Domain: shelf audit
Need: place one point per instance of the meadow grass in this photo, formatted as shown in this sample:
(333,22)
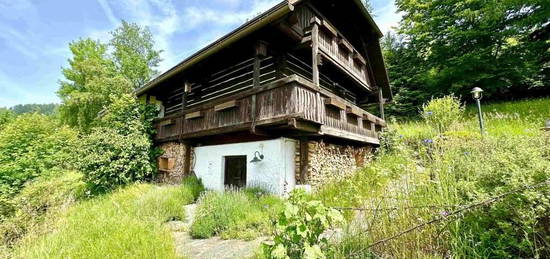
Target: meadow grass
(128,223)
(424,175)
(235,214)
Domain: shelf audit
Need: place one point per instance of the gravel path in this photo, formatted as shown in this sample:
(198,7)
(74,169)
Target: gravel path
(208,248)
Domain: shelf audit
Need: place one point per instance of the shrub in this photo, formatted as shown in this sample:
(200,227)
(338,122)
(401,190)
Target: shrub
(128,223)
(299,228)
(441,113)
(233,214)
(31,145)
(121,150)
(194,184)
(6,116)
(37,199)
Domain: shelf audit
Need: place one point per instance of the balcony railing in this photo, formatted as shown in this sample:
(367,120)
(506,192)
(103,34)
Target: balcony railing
(282,102)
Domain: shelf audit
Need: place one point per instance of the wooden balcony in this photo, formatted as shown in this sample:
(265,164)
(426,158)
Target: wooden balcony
(334,48)
(292,103)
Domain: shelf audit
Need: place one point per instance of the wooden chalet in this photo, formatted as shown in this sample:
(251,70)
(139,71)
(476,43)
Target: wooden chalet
(303,70)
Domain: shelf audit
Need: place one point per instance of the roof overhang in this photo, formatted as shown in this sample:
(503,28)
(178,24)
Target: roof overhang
(271,15)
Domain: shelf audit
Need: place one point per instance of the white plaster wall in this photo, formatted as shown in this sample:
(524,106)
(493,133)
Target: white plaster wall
(275,173)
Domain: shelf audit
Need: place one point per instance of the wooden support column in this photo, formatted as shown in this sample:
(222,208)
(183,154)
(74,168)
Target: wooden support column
(304,160)
(260,50)
(315,22)
(187,161)
(381,101)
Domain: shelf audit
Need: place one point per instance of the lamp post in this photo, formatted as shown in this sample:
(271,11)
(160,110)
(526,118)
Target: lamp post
(477,94)
(547,127)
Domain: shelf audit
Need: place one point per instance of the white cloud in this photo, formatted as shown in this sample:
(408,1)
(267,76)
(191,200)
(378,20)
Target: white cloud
(108,12)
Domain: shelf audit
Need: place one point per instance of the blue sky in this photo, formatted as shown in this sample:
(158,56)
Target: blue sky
(34,34)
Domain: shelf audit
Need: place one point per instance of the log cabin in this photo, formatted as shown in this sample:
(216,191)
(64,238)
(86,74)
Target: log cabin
(277,103)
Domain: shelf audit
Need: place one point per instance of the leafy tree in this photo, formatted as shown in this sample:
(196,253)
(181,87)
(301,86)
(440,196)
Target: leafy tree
(46,109)
(120,150)
(451,46)
(368,5)
(90,82)
(31,145)
(96,76)
(134,54)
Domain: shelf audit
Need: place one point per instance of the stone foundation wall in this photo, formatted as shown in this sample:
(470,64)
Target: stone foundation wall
(177,152)
(327,162)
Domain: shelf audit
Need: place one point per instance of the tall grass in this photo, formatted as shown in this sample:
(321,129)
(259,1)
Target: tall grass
(427,175)
(125,224)
(235,214)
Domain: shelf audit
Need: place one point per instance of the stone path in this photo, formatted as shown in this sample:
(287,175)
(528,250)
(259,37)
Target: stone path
(208,248)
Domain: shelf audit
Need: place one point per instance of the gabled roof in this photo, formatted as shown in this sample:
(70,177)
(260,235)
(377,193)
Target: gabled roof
(248,28)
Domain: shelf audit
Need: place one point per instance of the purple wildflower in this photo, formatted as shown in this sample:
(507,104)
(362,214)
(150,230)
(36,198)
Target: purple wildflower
(444,213)
(428,141)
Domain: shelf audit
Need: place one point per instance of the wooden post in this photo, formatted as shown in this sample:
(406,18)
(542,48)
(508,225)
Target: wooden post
(304,159)
(381,103)
(260,50)
(315,22)
(187,161)
(186,90)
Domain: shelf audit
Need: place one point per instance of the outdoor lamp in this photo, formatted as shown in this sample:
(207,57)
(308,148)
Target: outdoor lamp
(258,157)
(547,127)
(477,94)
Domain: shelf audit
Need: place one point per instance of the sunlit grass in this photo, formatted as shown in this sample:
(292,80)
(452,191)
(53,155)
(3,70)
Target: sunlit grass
(126,224)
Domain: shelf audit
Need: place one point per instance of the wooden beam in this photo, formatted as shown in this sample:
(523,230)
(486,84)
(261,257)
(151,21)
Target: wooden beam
(348,135)
(194,115)
(315,49)
(335,102)
(344,43)
(304,160)
(329,28)
(226,106)
(187,161)
(167,122)
(354,110)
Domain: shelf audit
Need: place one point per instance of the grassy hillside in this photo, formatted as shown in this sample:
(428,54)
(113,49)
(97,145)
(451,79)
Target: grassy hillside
(421,174)
(418,175)
(128,223)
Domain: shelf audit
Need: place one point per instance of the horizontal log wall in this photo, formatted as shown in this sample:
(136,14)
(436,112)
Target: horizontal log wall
(220,84)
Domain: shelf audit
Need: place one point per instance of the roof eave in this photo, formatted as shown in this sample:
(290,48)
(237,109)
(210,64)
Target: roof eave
(265,18)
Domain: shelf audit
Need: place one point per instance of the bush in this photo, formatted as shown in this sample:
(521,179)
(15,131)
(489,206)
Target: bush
(37,199)
(31,145)
(441,113)
(299,228)
(121,150)
(5,117)
(128,223)
(195,186)
(233,214)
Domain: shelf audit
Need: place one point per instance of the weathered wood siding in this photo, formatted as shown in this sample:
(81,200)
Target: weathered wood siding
(288,97)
